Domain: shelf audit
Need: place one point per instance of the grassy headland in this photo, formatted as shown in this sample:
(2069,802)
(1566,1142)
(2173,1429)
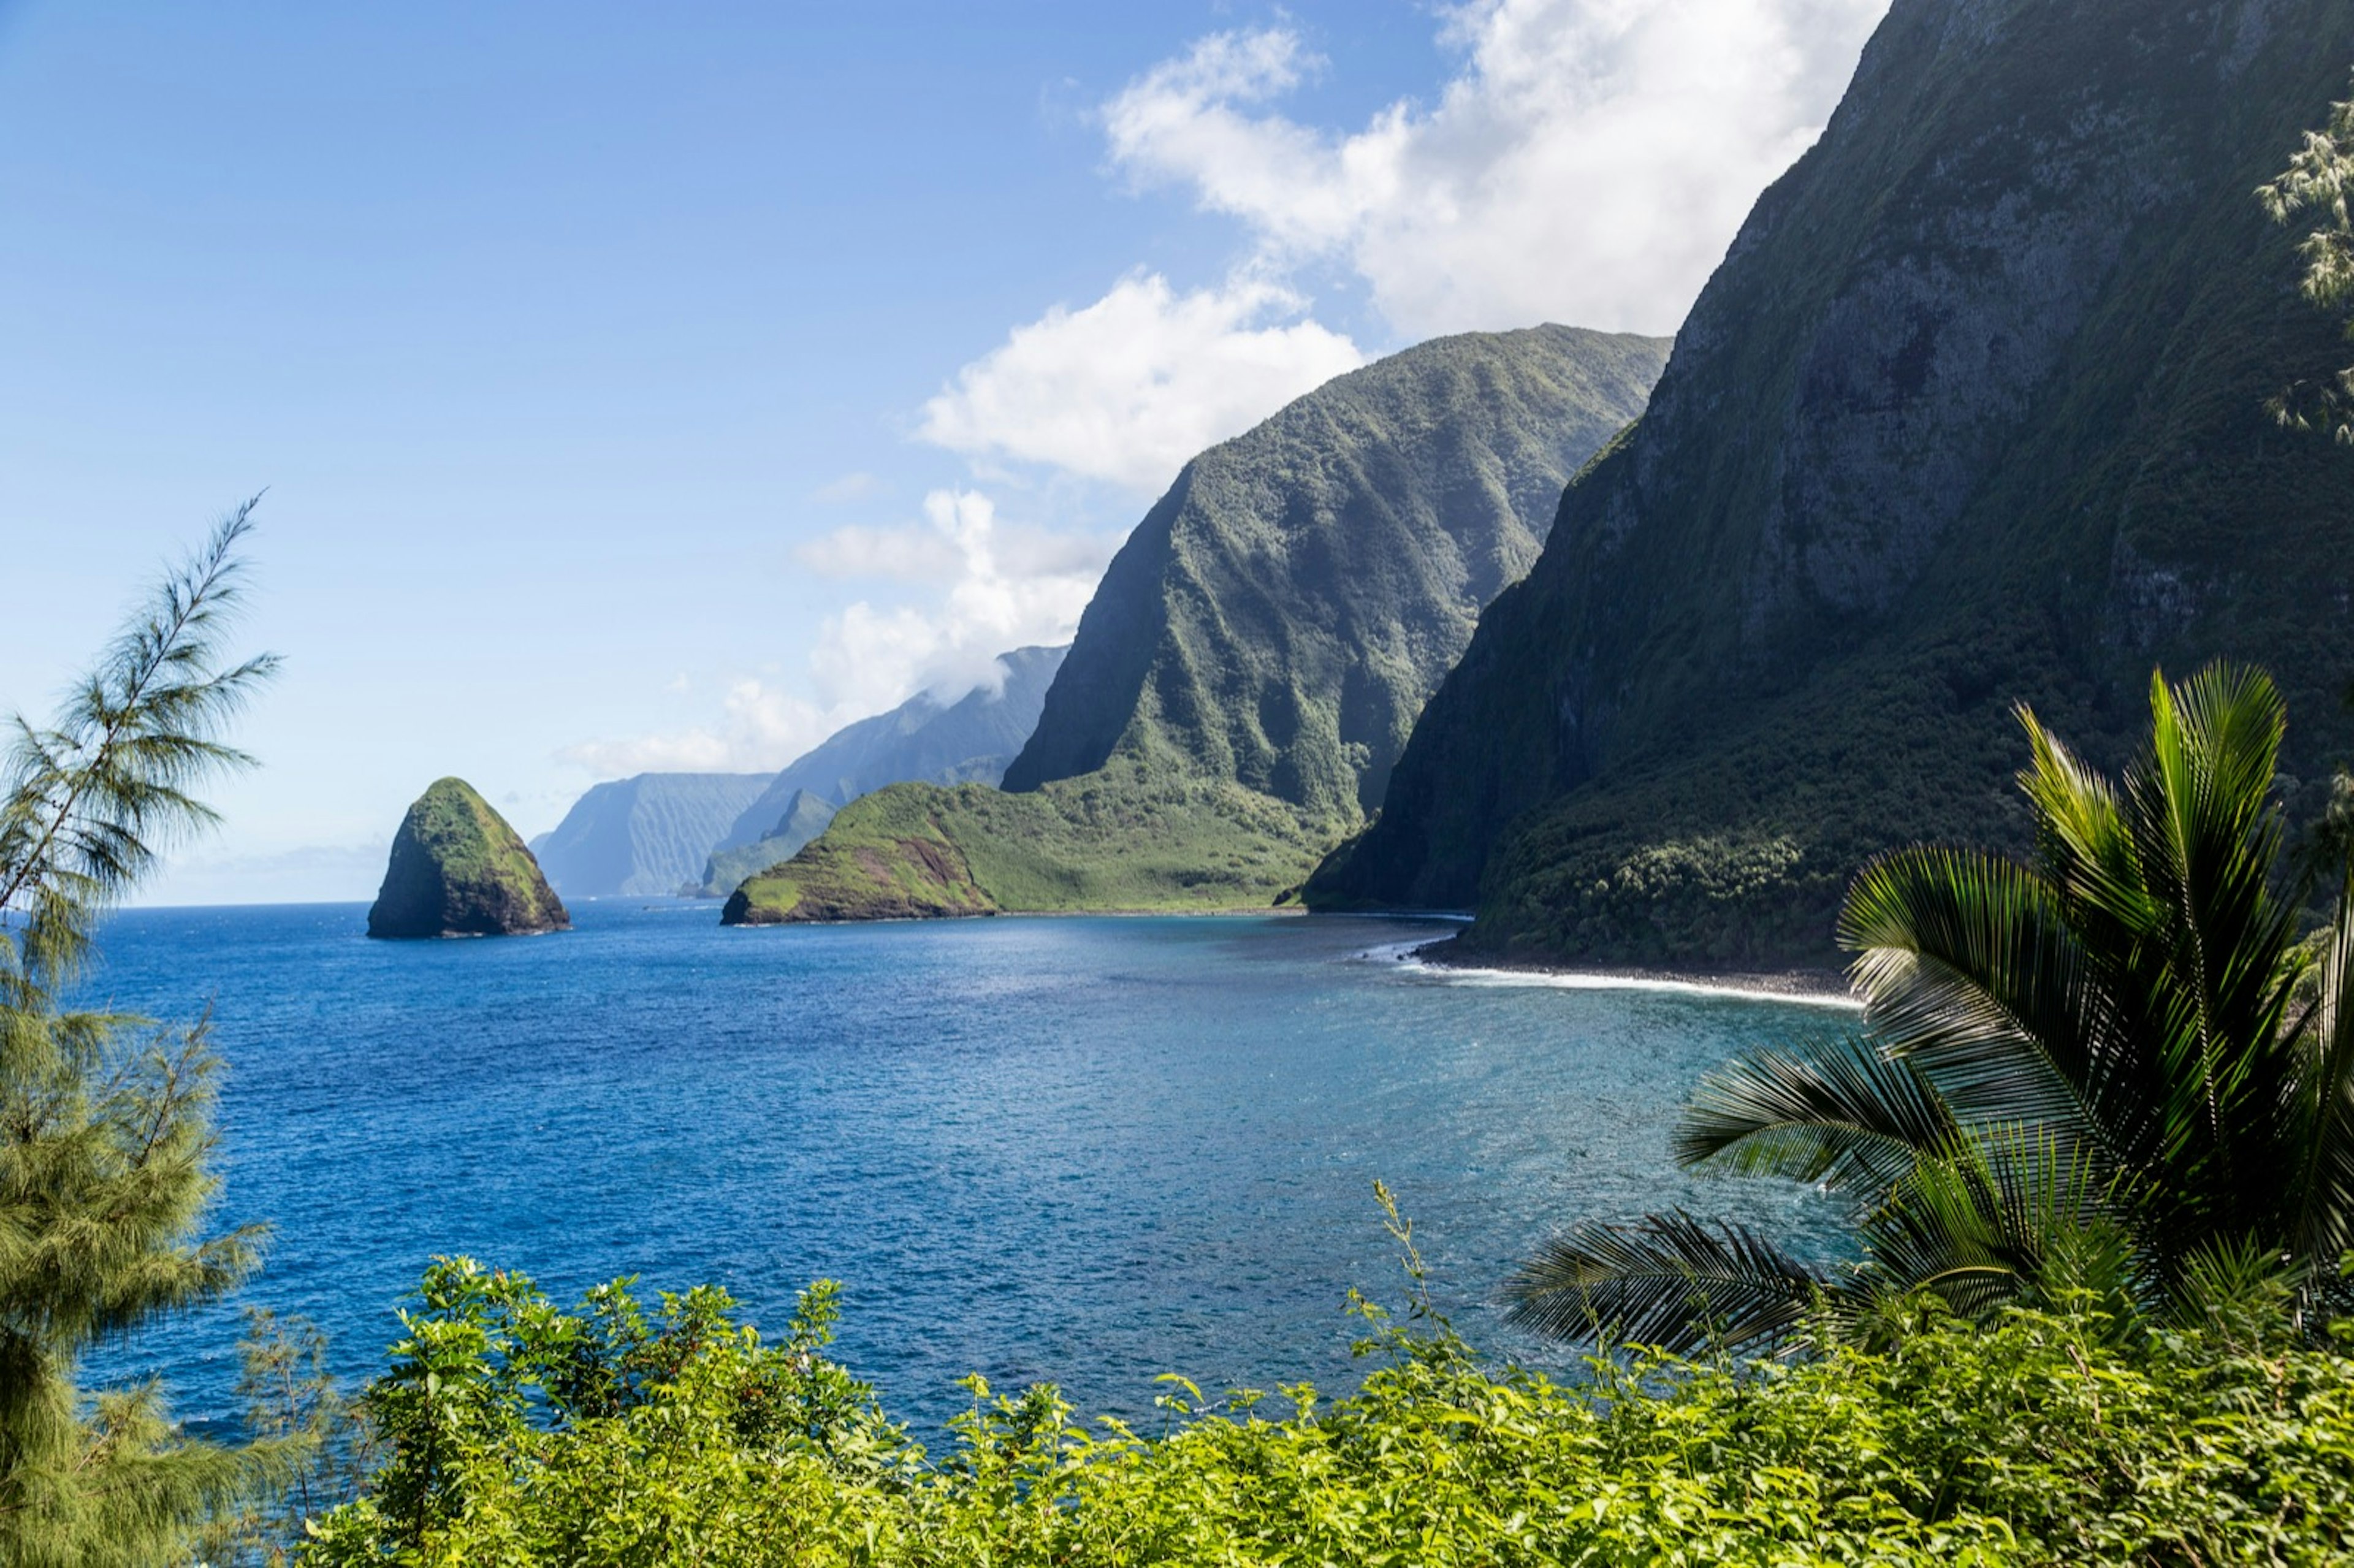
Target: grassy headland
(1119,838)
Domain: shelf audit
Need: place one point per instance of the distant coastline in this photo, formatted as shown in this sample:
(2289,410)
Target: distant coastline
(1822,987)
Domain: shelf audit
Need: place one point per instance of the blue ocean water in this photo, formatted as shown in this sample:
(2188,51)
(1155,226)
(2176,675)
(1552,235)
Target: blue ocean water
(1076,1150)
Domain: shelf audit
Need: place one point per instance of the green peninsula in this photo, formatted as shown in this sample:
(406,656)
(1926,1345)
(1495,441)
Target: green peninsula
(1118,839)
(457,869)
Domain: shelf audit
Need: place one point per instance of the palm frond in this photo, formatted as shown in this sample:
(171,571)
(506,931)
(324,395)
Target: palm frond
(2205,991)
(1970,970)
(1836,1111)
(2323,1096)
(1997,1217)
(1667,1280)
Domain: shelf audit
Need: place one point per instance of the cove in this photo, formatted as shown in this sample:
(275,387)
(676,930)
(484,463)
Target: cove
(1082,1150)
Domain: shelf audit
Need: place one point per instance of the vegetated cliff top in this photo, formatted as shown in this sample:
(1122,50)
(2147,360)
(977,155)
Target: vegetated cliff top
(1125,838)
(1972,413)
(804,817)
(1280,615)
(457,869)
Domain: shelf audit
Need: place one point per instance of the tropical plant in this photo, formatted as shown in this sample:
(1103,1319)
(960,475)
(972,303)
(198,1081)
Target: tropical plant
(105,1123)
(502,1419)
(2320,179)
(2039,1438)
(2113,1067)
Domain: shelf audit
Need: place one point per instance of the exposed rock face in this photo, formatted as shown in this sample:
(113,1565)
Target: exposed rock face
(458,870)
(643,836)
(1972,413)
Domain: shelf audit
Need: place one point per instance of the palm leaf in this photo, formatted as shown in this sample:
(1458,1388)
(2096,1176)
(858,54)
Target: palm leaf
(1995,1217)
(2204,987)
(2324,1095)
(1667,1280)
(1969,969)
(1838,1112)
(85,806)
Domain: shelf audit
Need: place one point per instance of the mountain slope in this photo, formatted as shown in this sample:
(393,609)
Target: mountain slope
(1259,649)
(922,740)
(1972,412)
(804,817)
(1280,617)
(1123,837)
(646,835)
(970,740)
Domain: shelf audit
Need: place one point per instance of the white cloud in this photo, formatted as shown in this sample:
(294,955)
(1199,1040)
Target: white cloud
(1013,588)
(1589,163)
(758,728)
(855,486)
(1128,388)
(905,553)
(1005,587)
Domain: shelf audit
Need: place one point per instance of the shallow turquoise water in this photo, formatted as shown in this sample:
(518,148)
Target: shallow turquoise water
(1079,1150)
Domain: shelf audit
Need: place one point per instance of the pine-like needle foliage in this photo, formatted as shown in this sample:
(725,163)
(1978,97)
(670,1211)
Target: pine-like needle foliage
(2319,179)
(2112,1069)
(105,1119)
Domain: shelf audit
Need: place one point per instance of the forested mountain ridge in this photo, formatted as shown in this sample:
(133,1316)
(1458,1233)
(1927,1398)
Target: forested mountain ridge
(1280,615)
(1972,413)
(1259,647)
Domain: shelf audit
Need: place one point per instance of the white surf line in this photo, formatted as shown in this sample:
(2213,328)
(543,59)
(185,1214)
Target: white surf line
(1402,954)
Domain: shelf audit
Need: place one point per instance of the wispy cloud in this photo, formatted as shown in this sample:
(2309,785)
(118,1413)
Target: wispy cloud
(1129,388)
(855,486)
(1588,163)
(760,727)
(1010,588)
(996,587)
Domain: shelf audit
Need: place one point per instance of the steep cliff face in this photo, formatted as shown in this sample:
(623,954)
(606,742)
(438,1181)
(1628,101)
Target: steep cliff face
(457,869)
(1971,413)
(646,836)
(1281,616)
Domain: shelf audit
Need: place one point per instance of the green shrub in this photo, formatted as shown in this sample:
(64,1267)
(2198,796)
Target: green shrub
(523,1434)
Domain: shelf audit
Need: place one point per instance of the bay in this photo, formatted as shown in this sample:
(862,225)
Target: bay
(1076,1150)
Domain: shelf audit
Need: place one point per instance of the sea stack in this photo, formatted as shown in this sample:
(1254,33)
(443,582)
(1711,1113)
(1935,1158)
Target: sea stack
(458,870)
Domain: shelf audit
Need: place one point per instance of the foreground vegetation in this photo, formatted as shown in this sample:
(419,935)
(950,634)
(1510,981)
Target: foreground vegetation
(2111,1066)
(524,1435)
(106,1130)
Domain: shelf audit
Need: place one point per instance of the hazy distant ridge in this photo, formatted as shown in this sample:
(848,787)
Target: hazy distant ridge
(642,836)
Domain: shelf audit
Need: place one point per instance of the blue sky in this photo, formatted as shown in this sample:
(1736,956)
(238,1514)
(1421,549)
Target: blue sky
(662,386)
